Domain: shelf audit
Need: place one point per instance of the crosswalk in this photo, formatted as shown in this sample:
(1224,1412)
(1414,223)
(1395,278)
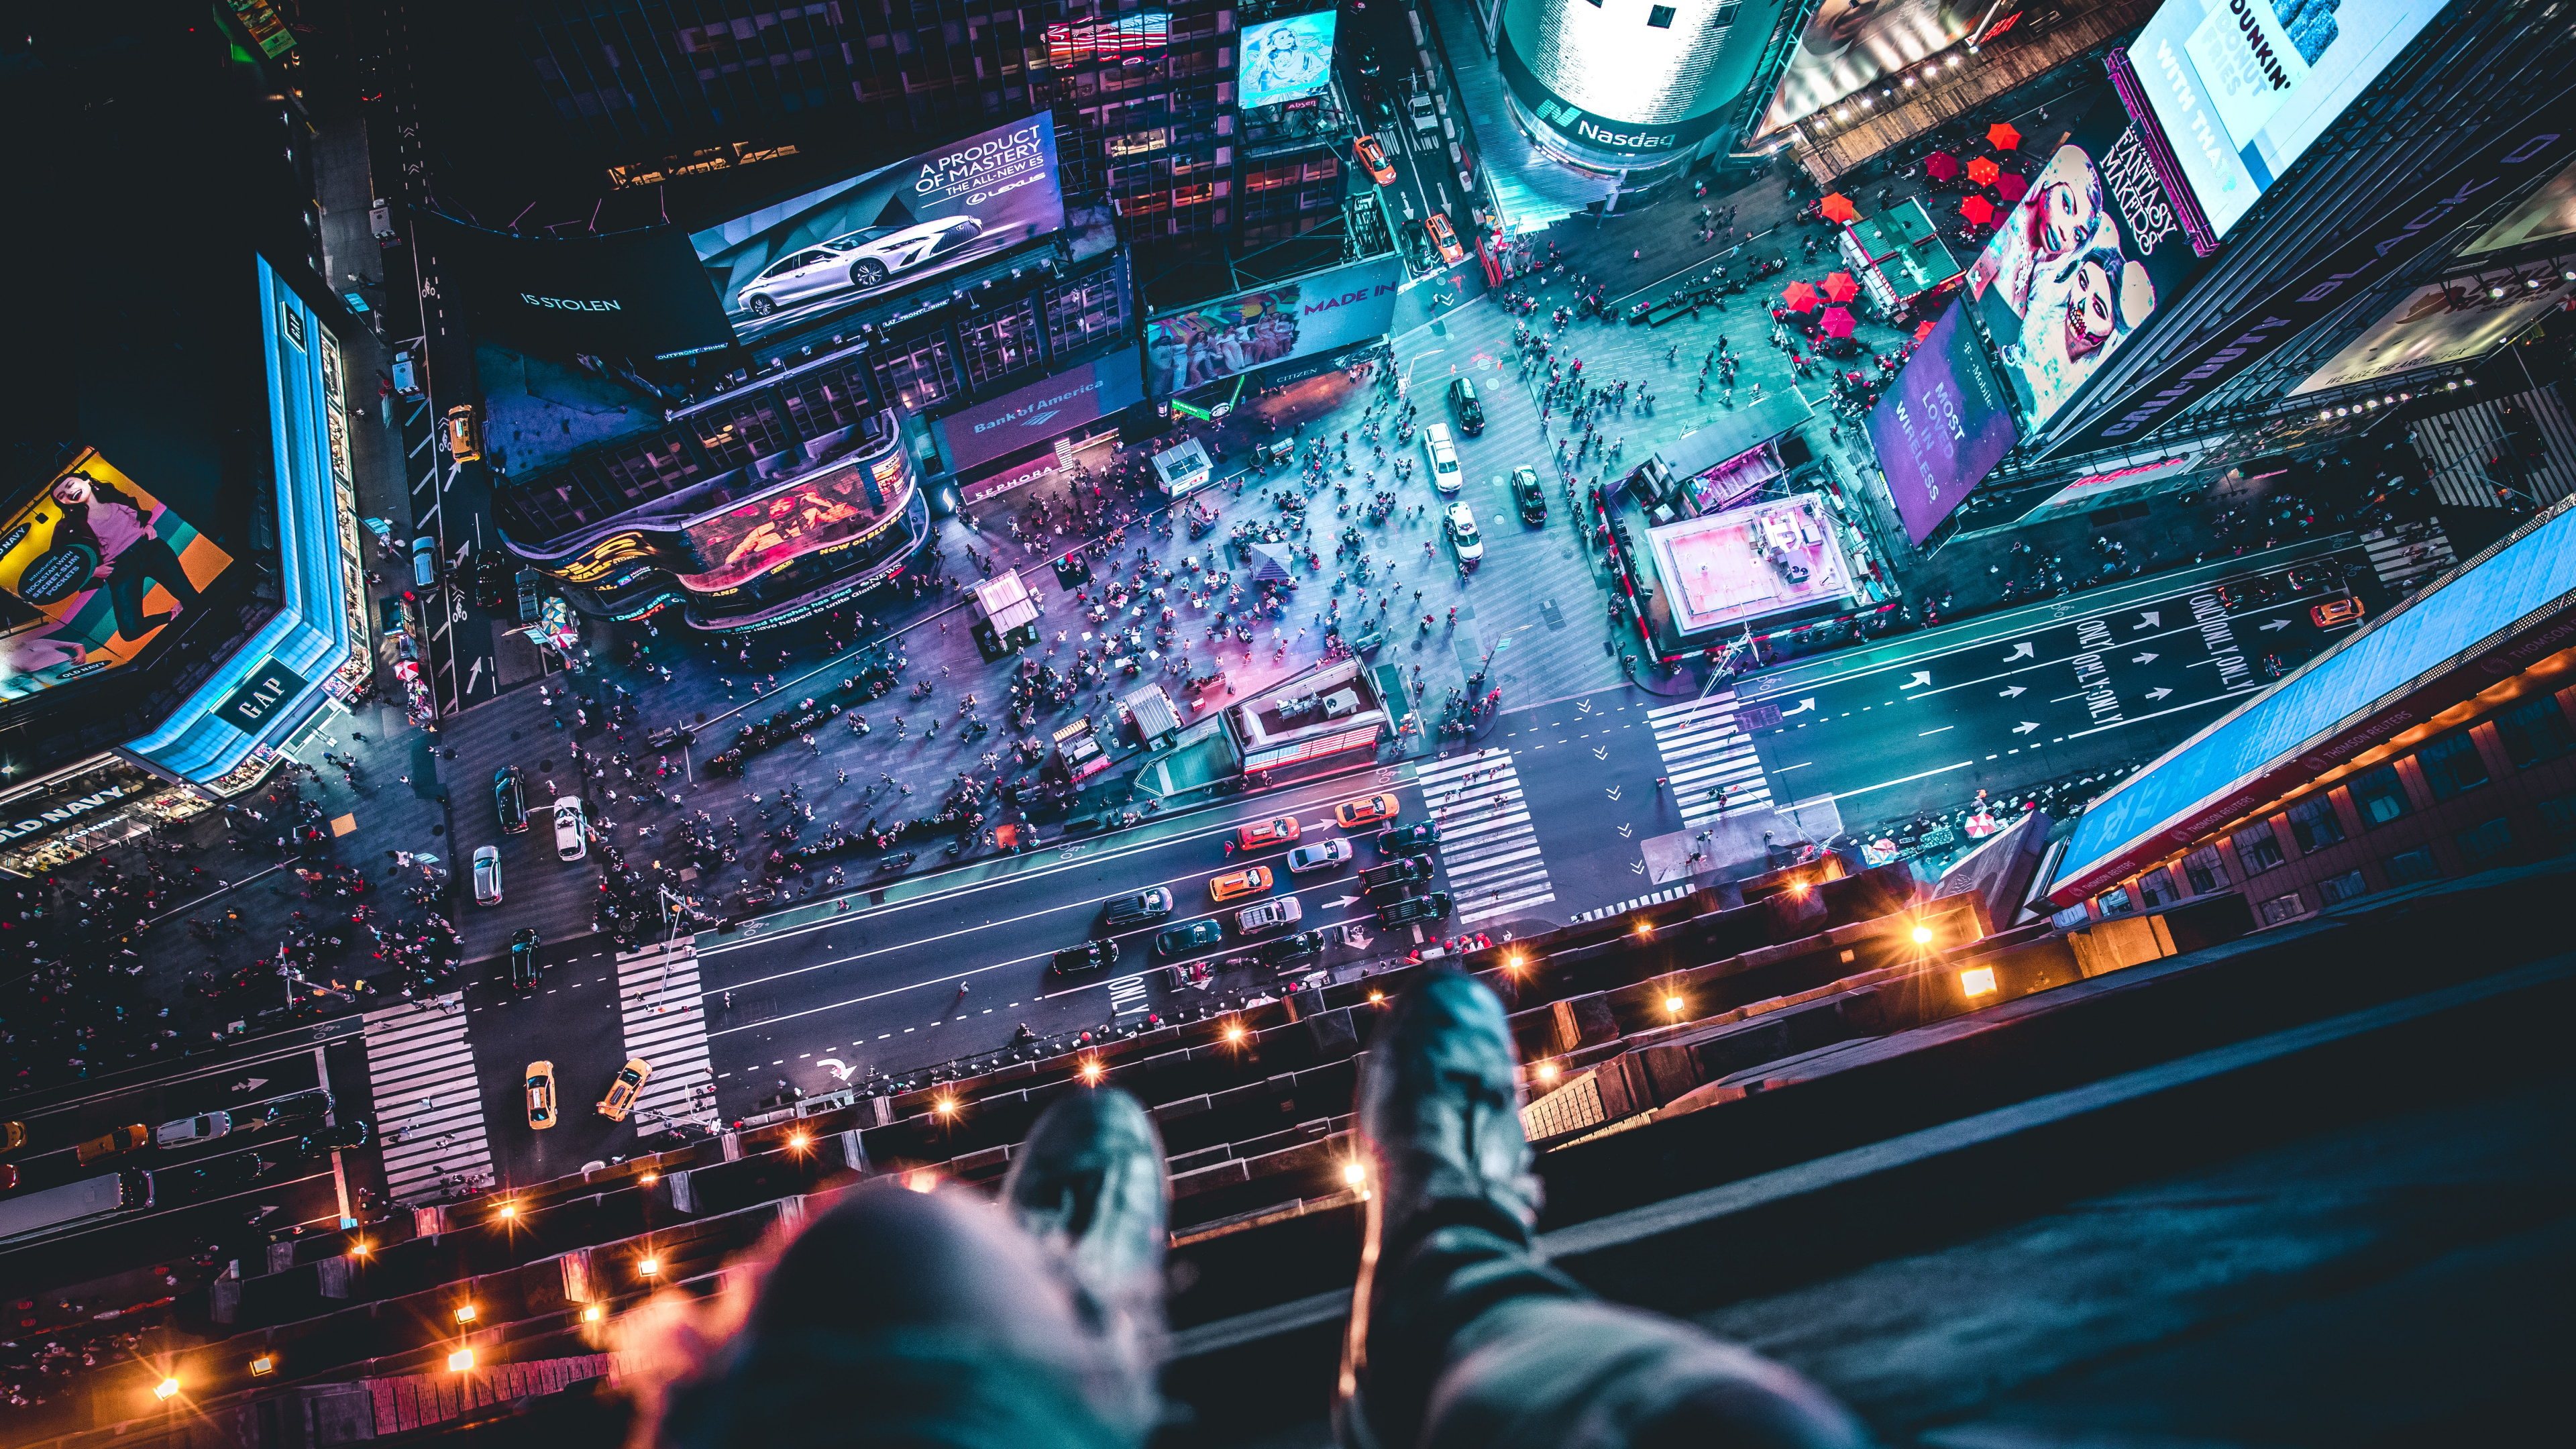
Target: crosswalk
(2409,555)
(1487,846)
(428,1103)
(1709,764)
(665,1023)
(1127,996)
(1673,893)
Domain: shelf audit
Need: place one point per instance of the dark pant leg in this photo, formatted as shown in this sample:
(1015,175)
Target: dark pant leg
(135,571)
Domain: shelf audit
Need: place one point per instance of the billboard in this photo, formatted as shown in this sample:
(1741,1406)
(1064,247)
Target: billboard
(634,293)
(2082,262)
(1943,427)
(2544,216)
(836,506)
(98,566)
(1849,43)
(1286,59)
(2454,321)
(1044,409)
(1320,312)
(2242,87)
(811,258)
(1630,83)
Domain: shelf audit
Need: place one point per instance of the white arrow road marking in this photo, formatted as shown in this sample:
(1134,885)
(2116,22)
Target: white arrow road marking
(1627,832)
(1802,707)
(1612,792)
(2025,727)
(2158,693)
(1339,902)
(2023,650)
(250,1084)
(1583,706)
(2276,624)
(1636,867)
(1601,752)
(1921,677)
(2147,657)
(2148,619)
(473,676)
(838,1070)
(2016,689)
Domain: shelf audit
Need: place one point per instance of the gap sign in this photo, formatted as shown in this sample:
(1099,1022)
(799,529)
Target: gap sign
(252,707)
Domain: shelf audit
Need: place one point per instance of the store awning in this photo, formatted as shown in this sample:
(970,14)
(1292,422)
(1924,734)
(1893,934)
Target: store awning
(1153,712)
(1006,603)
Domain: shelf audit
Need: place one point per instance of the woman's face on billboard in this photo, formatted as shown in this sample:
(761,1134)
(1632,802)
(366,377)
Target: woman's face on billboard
(73,490)
(2089,305)
(2065,215)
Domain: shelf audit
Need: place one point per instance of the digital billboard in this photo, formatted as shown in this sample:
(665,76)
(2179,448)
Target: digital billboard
(2544,216)
(812,257)
(1629,83)
(2082,262)
(626,294)
(101,566)
(1943,427)
(1042,410)
(823,510)
(2242,87)
(2454,321)
(1849,43)
(1286,59)
(1320,312)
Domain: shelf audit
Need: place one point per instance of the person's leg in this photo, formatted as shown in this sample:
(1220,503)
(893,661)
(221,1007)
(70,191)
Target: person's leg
(1459,1335)
(135,571)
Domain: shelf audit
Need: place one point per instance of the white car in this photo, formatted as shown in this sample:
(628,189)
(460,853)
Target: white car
(861,260)
(188,1131)
(1269,915)
(1444,457)
(487,875)
(1460,524)
(1322,855)
(572,832)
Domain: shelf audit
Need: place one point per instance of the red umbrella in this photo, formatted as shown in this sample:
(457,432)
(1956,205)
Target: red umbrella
(1836,322)
(1983,170)
(1840,287)
(1800,297)
(2011,186)
(1922,330)
(1977,209)
(1838,207)
(2003,137)
(1942,165)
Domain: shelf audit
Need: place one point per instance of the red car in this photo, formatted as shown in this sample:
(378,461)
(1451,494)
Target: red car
(1444,237)
(1372,158)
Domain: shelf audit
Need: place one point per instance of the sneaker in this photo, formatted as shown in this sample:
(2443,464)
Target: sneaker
(1090,1183)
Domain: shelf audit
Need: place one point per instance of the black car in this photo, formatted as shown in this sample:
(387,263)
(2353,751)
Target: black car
(209,1179)
(1428,909)
(1291,949)
(302,1106)
(1393,891)
(1471,413)
(1415,839)
(1089,956)
(358,1133)
(525,972)
(1394,871)
(1530,495)
(509,801)
(1136,910)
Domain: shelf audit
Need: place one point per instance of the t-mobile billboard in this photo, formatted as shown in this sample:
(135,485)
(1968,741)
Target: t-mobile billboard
(1943,428)
(632,293)
(1042,410)
(1321,312)
(812,257)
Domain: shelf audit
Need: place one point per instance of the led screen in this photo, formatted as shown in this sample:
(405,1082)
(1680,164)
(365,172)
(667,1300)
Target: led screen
(1943,427)
(96,567)
(836,506)
(1849,43)
(2242,87)
(2082,262)
(2455,321)
(2544,216)
(1319,313)
(1042,410)
(1072,42)
(628,293)
(1286,59)
(814,257)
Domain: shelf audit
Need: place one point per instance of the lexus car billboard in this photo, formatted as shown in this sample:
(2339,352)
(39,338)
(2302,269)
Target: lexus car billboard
(634,293)
(811,257)
(1943,427)
(97,566)
(1286,59)
(1249,330)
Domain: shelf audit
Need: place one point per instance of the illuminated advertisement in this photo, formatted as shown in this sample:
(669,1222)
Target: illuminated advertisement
(2082,262)
(1628,84)
(1286,59)
(1042,410)
(2455,321)
(2544,216)
(2242,87)
(1317,313)
(102,565)
(620,293)
(1849,43)
(1073,42)
(824,510)
(812,257)
(1943,427)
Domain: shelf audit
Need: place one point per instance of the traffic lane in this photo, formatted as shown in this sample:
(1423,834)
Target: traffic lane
(1588,780)
(51,1157)
(174,1230)
(573,1021)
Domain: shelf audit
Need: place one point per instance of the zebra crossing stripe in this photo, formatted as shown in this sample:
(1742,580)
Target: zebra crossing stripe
(1489,850)
(1127,995)
(1657,899)
(2407,555)
(428,1101)
(664,1022)
(1709,764)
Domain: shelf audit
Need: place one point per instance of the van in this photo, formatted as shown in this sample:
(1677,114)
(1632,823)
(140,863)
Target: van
(1443,453)
(1471,412)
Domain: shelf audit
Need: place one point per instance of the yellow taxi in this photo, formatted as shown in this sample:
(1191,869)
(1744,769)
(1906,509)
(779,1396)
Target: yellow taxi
(1251,880)
(1445,237)
(1352,814)
(116,1143)
(541,1095)
(624,1088)
(1277,830)
(1372,158)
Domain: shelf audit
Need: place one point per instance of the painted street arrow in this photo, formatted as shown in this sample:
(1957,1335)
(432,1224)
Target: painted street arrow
(2145,658)
(2276,624)
(2015,690)
(2158,693)
(1601,752)
(1583,706)
(2023,650)
(2025,727)
(2148,619)
(1340,902)
(1921,677)
(1801,707)
(250,1084)
(1612,792)
(1627,832)
(1636,867)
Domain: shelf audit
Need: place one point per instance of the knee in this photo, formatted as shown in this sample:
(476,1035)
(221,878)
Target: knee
(889,1258)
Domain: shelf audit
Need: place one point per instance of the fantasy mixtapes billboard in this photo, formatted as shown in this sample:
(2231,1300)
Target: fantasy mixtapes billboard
(809,258)
(634,293)
(1317,313)
(2242,87)
(1043,410)
(2455,321)
(1943,427)
(1284,60)
(2082,262)
(97,566)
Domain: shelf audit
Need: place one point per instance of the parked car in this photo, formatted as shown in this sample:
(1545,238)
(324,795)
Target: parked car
(464,433)
(1529,495)
(508,802)
(190,1131)
(424,562)
(1251,880)
(1444,457)
(1087,957)
(1181,940)
(1289,950)
(1381,897)
(1322,855)
(1269,915)
(624,1088)
(1136,910)
(525,971)
(487,875)
(1460,524)
(541,1095)
(1372,158)
(1444,239)
(1394,871)
(1415,839)
(1423,112)
(1277,830)
(1429,909)
(116,1143)
(1463,400)
(572,830)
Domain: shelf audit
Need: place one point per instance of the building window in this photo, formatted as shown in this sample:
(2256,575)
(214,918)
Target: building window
(2314,824)
(916,374)
(2452,765)
(2280,908)
(2204,870)
(1724,15)
(2558,819)
(2535,732)
(1660,17)
(2156,888)
(2409,866)
(2484,845)
(2345,887)
(2379,797)
(2256,848)
(1082,312)
(998,343)
(2116,902)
